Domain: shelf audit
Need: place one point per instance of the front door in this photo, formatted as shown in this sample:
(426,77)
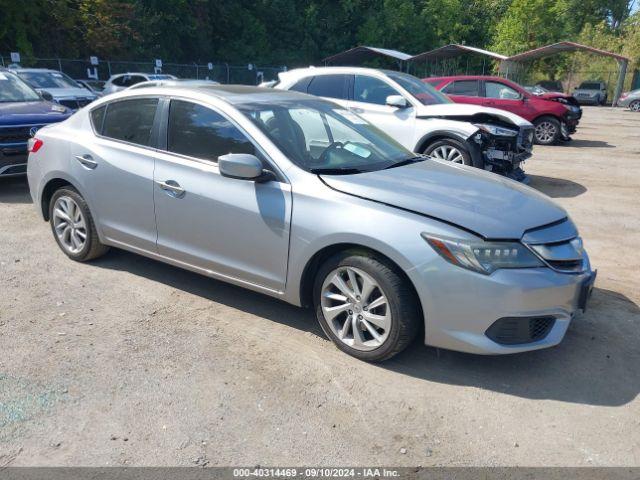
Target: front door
(370,102)
(236,229)
(501,95)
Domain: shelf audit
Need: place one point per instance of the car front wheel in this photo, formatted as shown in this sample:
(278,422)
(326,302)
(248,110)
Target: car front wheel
(449,150)
(365,306)
(73,226)
(547,130)
(635,106)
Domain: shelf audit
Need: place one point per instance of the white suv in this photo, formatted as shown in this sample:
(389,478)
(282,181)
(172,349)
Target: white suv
(421,118)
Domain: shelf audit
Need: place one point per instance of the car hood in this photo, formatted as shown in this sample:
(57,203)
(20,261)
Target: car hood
(491,206)
(27,113)
(68,92)
(552,95)
(468,112)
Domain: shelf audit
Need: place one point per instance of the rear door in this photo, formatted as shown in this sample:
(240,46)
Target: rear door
(235,229)
(114,164)
(369,100)
(464,91)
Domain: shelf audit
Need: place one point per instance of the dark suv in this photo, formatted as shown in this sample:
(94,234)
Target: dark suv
(22,112)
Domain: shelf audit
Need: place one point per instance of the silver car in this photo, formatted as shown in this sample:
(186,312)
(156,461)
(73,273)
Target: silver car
(57,86)
(631,100)
(298,198)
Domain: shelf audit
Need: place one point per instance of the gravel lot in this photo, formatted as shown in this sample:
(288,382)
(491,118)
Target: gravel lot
(127,361)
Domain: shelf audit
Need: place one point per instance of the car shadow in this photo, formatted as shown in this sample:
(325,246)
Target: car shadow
(596,364)
(581,143)
(556,187)
(14,190)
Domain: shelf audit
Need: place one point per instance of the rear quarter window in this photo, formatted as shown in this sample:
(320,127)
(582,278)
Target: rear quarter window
(97,118)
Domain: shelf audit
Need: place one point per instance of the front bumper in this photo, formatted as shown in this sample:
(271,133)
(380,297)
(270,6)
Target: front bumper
(461,306)
(13,159)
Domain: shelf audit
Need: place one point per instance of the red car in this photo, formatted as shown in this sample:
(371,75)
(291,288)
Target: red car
(555,115)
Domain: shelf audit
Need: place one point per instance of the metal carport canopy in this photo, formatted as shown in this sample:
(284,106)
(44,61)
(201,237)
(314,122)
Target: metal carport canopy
(453,50)
(561,47)
(358,54)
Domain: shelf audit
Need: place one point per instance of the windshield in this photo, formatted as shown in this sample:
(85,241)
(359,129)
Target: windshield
(589,86)
(48,80)
(423,92)
(12,89)
(321,137)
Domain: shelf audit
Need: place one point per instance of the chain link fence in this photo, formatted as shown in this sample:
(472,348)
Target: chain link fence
(220,72)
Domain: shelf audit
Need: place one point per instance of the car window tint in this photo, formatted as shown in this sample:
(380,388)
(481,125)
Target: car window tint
(301,85)
(130,120)
(97,117)
(332,86)
(199,132)
(462,87)
(500,91)
(371,90)
(118,81)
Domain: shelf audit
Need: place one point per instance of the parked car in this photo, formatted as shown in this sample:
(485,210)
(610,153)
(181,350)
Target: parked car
(179,82)
(630,99)
(94,86)
(22,112)
(554,115)
(593,93)
(122,81)
(381,242)
(551,85)
(57,86)
(421,118)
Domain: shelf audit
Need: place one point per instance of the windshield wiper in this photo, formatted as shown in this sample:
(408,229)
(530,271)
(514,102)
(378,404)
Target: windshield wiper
(335,171)
(407,161)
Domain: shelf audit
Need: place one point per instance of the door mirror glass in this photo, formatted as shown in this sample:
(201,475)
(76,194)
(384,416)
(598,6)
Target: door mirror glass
(46,95)
(397,101)
(242,166)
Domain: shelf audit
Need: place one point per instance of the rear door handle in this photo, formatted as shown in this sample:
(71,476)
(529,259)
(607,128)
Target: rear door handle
(87,161)
(172,187)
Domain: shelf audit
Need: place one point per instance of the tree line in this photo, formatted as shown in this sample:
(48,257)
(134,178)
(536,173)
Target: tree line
(301,32)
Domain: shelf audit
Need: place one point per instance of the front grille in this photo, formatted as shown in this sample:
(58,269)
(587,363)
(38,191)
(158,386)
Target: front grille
(520,330)
(18,134)
(559,246)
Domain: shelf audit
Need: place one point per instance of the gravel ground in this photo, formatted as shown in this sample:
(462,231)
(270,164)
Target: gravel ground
(127,361)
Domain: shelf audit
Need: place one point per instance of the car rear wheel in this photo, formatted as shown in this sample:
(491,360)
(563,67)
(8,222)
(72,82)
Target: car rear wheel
(547,130)
(365,306)
(635,106)
(449,150)
(73,226)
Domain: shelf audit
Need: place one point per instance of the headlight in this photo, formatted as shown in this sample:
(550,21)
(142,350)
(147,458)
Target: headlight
(496,130)
(483,257)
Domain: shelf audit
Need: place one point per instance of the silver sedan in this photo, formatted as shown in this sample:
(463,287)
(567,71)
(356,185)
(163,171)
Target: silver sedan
(630,100)
(300,199)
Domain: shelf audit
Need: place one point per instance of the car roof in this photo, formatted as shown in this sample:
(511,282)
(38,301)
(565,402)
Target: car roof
(232,94)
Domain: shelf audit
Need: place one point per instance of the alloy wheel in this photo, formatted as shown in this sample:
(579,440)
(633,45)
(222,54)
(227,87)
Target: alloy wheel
(448,153)
(635,106)
(545,132)
(356,308)
(69,224)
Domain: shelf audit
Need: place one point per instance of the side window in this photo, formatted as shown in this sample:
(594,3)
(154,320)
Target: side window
(135,79)
(130,120)
(199,132)
(301,85)
(462,87)
(371,90)
(119,81)
(97,118)
(500,91)
(333,86)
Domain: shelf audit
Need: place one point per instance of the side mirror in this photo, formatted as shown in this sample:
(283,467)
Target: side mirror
(46,95)
(397,101)
(242,166)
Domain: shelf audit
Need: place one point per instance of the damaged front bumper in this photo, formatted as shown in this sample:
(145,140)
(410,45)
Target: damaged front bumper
(505,155)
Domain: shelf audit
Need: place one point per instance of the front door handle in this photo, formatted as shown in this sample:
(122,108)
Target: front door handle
(172,187)
(87,161)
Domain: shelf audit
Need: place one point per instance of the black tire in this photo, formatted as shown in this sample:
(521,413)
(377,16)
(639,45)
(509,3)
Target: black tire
(406,315)
(92,248)
(551,138)
(432,149)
